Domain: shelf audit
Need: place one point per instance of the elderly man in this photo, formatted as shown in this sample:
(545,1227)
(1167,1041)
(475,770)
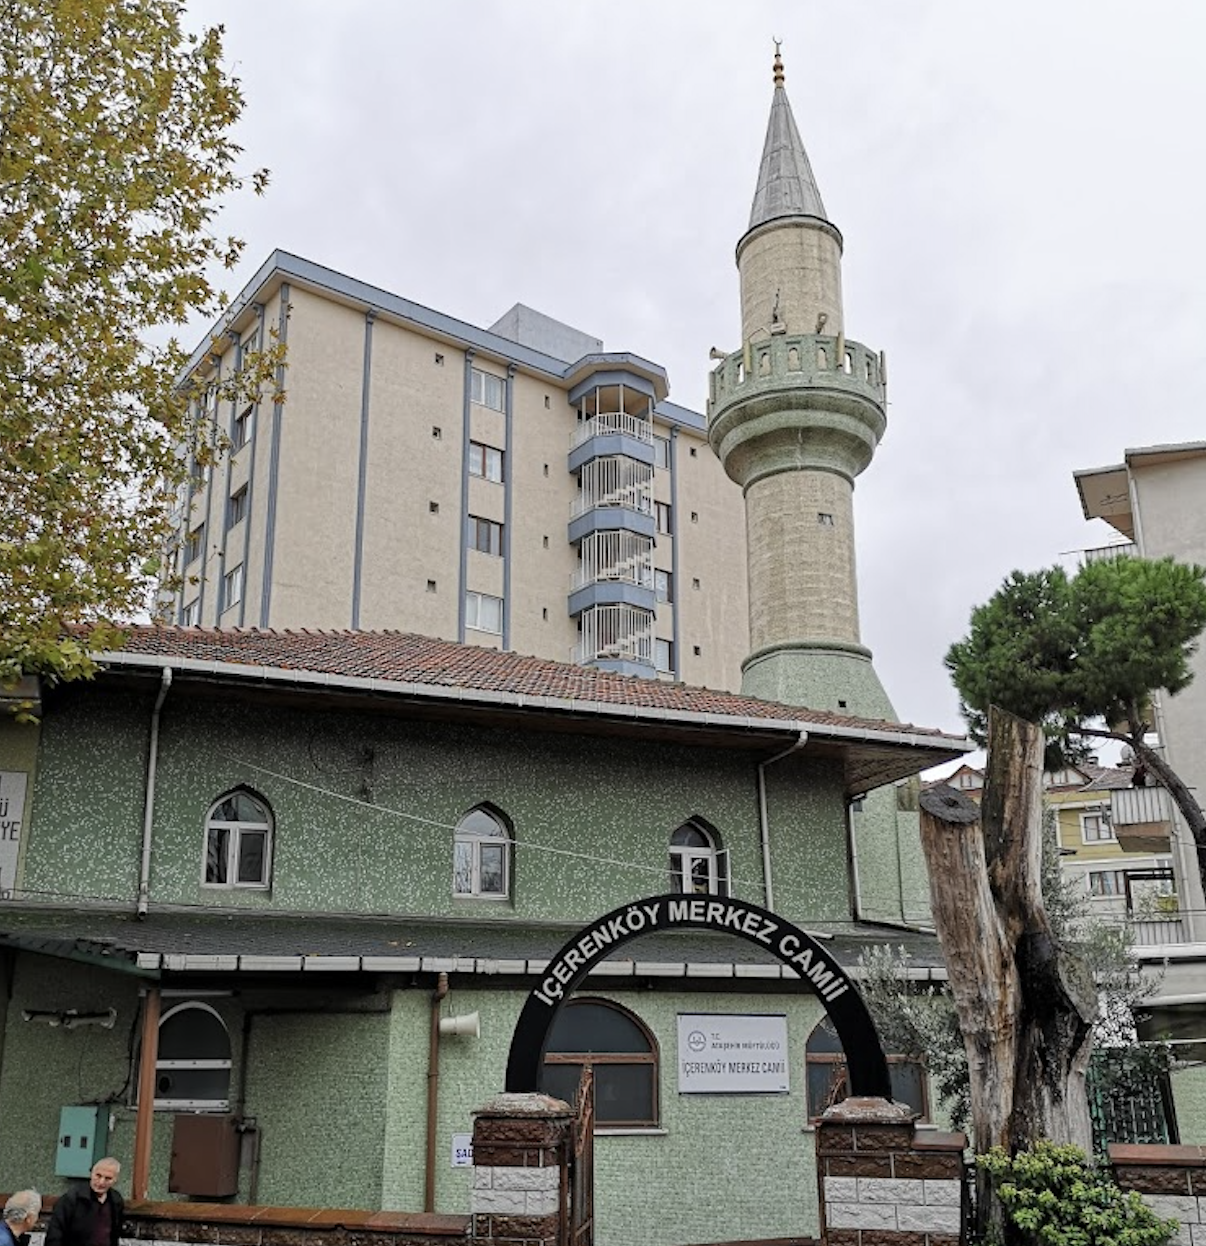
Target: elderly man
(89,1215)
(21,1213)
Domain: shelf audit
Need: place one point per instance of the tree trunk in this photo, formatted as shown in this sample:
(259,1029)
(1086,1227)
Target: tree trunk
(1026,1006)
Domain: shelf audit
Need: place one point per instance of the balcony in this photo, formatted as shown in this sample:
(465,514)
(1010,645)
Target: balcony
(1107,553)
(616,494)
(616,569)
(616,638)
(1141,818)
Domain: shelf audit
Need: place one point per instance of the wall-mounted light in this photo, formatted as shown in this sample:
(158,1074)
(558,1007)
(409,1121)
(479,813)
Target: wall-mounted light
(71,1018)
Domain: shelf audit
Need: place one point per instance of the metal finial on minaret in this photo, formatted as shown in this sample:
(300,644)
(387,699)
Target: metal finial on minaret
(778,62)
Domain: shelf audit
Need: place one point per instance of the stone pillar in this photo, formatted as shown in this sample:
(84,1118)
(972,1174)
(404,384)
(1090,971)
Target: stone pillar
(883,1182)
(521,1147)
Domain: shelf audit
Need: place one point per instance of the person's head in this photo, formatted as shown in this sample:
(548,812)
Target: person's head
(22,1210)
(104,1173)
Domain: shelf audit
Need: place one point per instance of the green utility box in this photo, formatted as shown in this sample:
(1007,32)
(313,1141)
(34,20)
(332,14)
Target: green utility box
(83,1139)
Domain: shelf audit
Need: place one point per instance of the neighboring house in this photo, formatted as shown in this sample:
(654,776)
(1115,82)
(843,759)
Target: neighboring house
(290,838)
(1153,499)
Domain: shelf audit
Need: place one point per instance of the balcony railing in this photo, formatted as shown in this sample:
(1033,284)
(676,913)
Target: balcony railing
(622,557)
(1107,553)
(614,481)
(615,633)
(610,423)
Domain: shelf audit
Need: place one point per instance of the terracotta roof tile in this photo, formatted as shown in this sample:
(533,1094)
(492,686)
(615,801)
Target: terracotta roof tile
(406,658)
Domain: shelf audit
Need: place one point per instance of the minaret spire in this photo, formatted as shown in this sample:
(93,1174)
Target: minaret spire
(786,186)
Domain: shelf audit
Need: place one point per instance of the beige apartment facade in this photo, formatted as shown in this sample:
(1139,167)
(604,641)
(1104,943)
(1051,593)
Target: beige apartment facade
(515,487)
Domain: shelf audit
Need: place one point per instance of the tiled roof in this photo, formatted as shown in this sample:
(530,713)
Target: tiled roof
(1110,779)
(400,657)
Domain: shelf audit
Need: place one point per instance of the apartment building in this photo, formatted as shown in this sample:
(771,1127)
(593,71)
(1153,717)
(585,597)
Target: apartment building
(515,487)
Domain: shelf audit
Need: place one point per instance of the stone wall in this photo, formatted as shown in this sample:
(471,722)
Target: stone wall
(884,1182)
(1172,1181)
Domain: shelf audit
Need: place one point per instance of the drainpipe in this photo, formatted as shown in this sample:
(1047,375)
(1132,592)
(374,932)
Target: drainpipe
(148,815)
(764,824)
(433,1089)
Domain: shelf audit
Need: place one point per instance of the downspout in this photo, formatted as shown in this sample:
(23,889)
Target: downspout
(433,1090)
(763,821)
(148,814)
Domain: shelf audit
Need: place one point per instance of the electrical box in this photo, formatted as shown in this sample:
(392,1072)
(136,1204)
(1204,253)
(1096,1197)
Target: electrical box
(83,1139)
(205,1156)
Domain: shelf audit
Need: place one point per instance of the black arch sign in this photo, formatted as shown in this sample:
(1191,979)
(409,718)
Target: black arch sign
(818,971)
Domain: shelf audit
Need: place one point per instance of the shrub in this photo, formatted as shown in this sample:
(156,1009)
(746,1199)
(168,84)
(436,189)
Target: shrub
(1056,1197)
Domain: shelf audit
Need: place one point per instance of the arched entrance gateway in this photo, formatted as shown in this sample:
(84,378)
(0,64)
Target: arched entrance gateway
(534,1159)
(819,973)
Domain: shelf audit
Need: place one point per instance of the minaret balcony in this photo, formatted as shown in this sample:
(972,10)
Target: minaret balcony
(785,403)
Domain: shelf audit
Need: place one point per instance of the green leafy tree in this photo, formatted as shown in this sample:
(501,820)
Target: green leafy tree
(115,151)
(1081,657)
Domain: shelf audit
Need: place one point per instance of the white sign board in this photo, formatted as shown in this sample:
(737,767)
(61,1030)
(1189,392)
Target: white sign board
(462,1150)
(727,1054)
(12,811)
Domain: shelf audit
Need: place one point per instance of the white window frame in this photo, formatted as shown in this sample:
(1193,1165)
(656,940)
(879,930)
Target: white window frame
(488,390)
(193,1105)
(475,840)
(663,586)
(194,544)
(664,518)
(240,434)
(191,616)
(232,587)
(477,605)
(236,507)
(486,462)
(236,830)
(666,648)
(687,855)
(661,452)
(1103,823)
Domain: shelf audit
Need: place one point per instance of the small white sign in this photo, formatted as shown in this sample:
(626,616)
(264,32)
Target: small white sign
(727,1054)
(462,1150)
(12,812)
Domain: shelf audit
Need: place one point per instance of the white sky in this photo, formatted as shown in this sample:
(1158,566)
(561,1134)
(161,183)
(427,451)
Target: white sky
(1021,188)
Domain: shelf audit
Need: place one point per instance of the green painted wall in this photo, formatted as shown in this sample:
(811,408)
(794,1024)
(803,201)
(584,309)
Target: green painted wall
(364,807)
(1189,1097)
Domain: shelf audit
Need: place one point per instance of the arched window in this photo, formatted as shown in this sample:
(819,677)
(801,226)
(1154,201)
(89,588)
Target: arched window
(192,1071)
(828,1082)
(481,863)
(238,842)
(622,1055)
(697,864)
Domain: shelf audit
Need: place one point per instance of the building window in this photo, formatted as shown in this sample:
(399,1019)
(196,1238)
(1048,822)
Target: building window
(232,587)
(825,519)
(483,613)
(828,1083)
(661,452)
(663,586)
(481,856)
(488,390)
(192,547)
(696,863)
(661,511)
(486,462)
(238,842)
(1095,827)
(663,656)
(192,1069)
(236,511)
(485,535)
(1107,882)
(241,432)
(192,613)
(621,1054)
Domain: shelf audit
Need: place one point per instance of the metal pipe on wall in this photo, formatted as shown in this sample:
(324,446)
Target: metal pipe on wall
(148,811)
(433,1091)
(148,1058)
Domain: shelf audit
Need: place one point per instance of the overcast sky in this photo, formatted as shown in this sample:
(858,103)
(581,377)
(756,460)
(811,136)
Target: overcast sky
(1021,188)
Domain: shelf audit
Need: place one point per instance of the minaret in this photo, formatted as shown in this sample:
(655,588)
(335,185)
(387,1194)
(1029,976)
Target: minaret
(795,416)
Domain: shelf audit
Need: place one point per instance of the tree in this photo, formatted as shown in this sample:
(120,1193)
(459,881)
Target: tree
(1082,656)
(115,151)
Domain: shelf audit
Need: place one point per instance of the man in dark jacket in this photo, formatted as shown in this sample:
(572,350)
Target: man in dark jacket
(89,1215)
